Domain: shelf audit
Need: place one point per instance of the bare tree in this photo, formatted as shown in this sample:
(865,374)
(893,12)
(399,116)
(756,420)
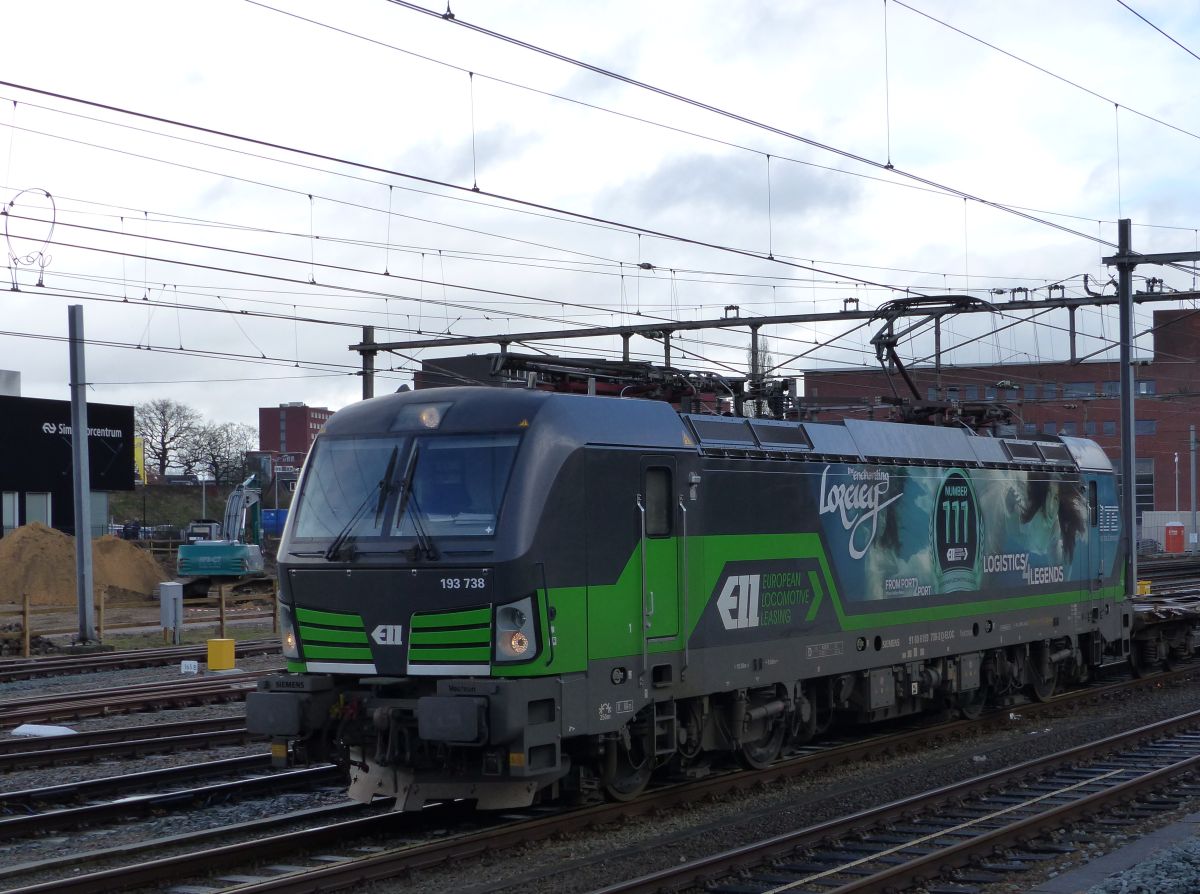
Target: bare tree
(219,450)
(165,426)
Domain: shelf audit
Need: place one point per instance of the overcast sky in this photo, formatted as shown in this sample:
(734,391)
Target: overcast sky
(232,275)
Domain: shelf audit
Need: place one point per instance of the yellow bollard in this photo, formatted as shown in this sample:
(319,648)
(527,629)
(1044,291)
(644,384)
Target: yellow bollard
(1143,588)
(220,654)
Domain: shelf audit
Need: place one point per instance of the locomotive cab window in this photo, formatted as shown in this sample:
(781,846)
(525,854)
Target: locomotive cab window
(658,501)
(375,488)
(457,484)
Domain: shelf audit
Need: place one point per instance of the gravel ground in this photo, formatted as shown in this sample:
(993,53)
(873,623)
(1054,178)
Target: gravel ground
(101,680)
(1175,870)
(592,860)
(169,823)
(587,861)
(111,679)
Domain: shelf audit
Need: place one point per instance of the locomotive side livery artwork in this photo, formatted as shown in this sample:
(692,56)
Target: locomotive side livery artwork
(507,594)
(898,533)
(924,531)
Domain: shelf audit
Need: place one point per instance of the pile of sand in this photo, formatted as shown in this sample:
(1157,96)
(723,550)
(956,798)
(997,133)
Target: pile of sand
(40,561)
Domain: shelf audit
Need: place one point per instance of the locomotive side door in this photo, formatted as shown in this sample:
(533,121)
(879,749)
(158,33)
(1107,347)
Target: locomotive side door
(657,518)
(1095,574)
(1095,557)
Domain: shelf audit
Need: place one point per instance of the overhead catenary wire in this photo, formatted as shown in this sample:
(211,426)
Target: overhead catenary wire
(527,203)
(743,119)
(938,190)
(881,285)
(241,252)
(348,369)
(1043,70)
(535,262)
(313,266)
(385,298)
(1160,30)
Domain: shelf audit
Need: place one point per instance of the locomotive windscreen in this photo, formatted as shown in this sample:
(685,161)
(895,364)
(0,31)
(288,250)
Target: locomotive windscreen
(379,488)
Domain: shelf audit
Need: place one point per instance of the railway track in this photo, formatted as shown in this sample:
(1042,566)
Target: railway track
(140,697)
(12,669)
(937,833)
(18,753)
(133,795)
(1171,575)
(348,866)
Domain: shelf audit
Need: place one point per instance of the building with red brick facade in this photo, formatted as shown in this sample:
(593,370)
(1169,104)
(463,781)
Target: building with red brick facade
(290,428)
(1065,398)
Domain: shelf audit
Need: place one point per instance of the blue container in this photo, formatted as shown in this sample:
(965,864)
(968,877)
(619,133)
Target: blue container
(272,521)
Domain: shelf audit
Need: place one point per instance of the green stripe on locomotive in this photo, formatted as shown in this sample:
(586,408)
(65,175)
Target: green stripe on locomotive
(328,619)
(471,617)
(340,653)
(600,621)
(324,635)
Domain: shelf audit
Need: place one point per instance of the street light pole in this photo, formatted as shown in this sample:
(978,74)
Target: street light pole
(1176,480)
(1195,544)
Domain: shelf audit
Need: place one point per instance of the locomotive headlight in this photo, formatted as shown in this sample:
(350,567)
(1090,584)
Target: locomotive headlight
(419,416)
(287,631)
(430,416)
(515,634)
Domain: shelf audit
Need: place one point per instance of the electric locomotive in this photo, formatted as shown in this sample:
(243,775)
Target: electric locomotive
(502,595)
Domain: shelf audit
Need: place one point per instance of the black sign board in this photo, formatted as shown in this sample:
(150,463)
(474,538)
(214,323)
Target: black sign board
(35,450)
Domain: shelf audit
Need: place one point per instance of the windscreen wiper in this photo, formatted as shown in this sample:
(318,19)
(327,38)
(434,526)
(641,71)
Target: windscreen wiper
(382,489)
(424,541)
(385,484)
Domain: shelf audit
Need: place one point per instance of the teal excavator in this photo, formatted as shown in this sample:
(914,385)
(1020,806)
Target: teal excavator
(227,551)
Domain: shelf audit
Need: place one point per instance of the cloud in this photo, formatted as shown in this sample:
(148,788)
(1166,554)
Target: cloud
(725,185)
(457,161)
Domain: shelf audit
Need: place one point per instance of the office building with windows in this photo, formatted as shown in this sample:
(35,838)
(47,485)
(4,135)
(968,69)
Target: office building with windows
(290,428)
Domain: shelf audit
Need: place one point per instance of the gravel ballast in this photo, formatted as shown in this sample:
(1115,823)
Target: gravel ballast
(590,860)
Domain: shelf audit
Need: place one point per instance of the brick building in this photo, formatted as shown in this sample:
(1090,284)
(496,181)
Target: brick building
(290,428)
(1079,399)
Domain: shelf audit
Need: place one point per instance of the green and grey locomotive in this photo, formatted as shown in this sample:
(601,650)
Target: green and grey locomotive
(501,594)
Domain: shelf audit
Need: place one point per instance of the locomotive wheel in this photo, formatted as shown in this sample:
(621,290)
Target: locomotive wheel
(628,764)
(759,753)
(970,704)
(1044,687)
(1139,665)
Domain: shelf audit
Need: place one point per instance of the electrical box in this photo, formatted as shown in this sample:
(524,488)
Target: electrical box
(170,609)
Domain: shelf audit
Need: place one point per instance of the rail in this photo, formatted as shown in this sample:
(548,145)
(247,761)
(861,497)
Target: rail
(410,847)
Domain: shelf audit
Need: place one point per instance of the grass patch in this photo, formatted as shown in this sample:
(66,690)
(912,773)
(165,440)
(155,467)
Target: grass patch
(192,634)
